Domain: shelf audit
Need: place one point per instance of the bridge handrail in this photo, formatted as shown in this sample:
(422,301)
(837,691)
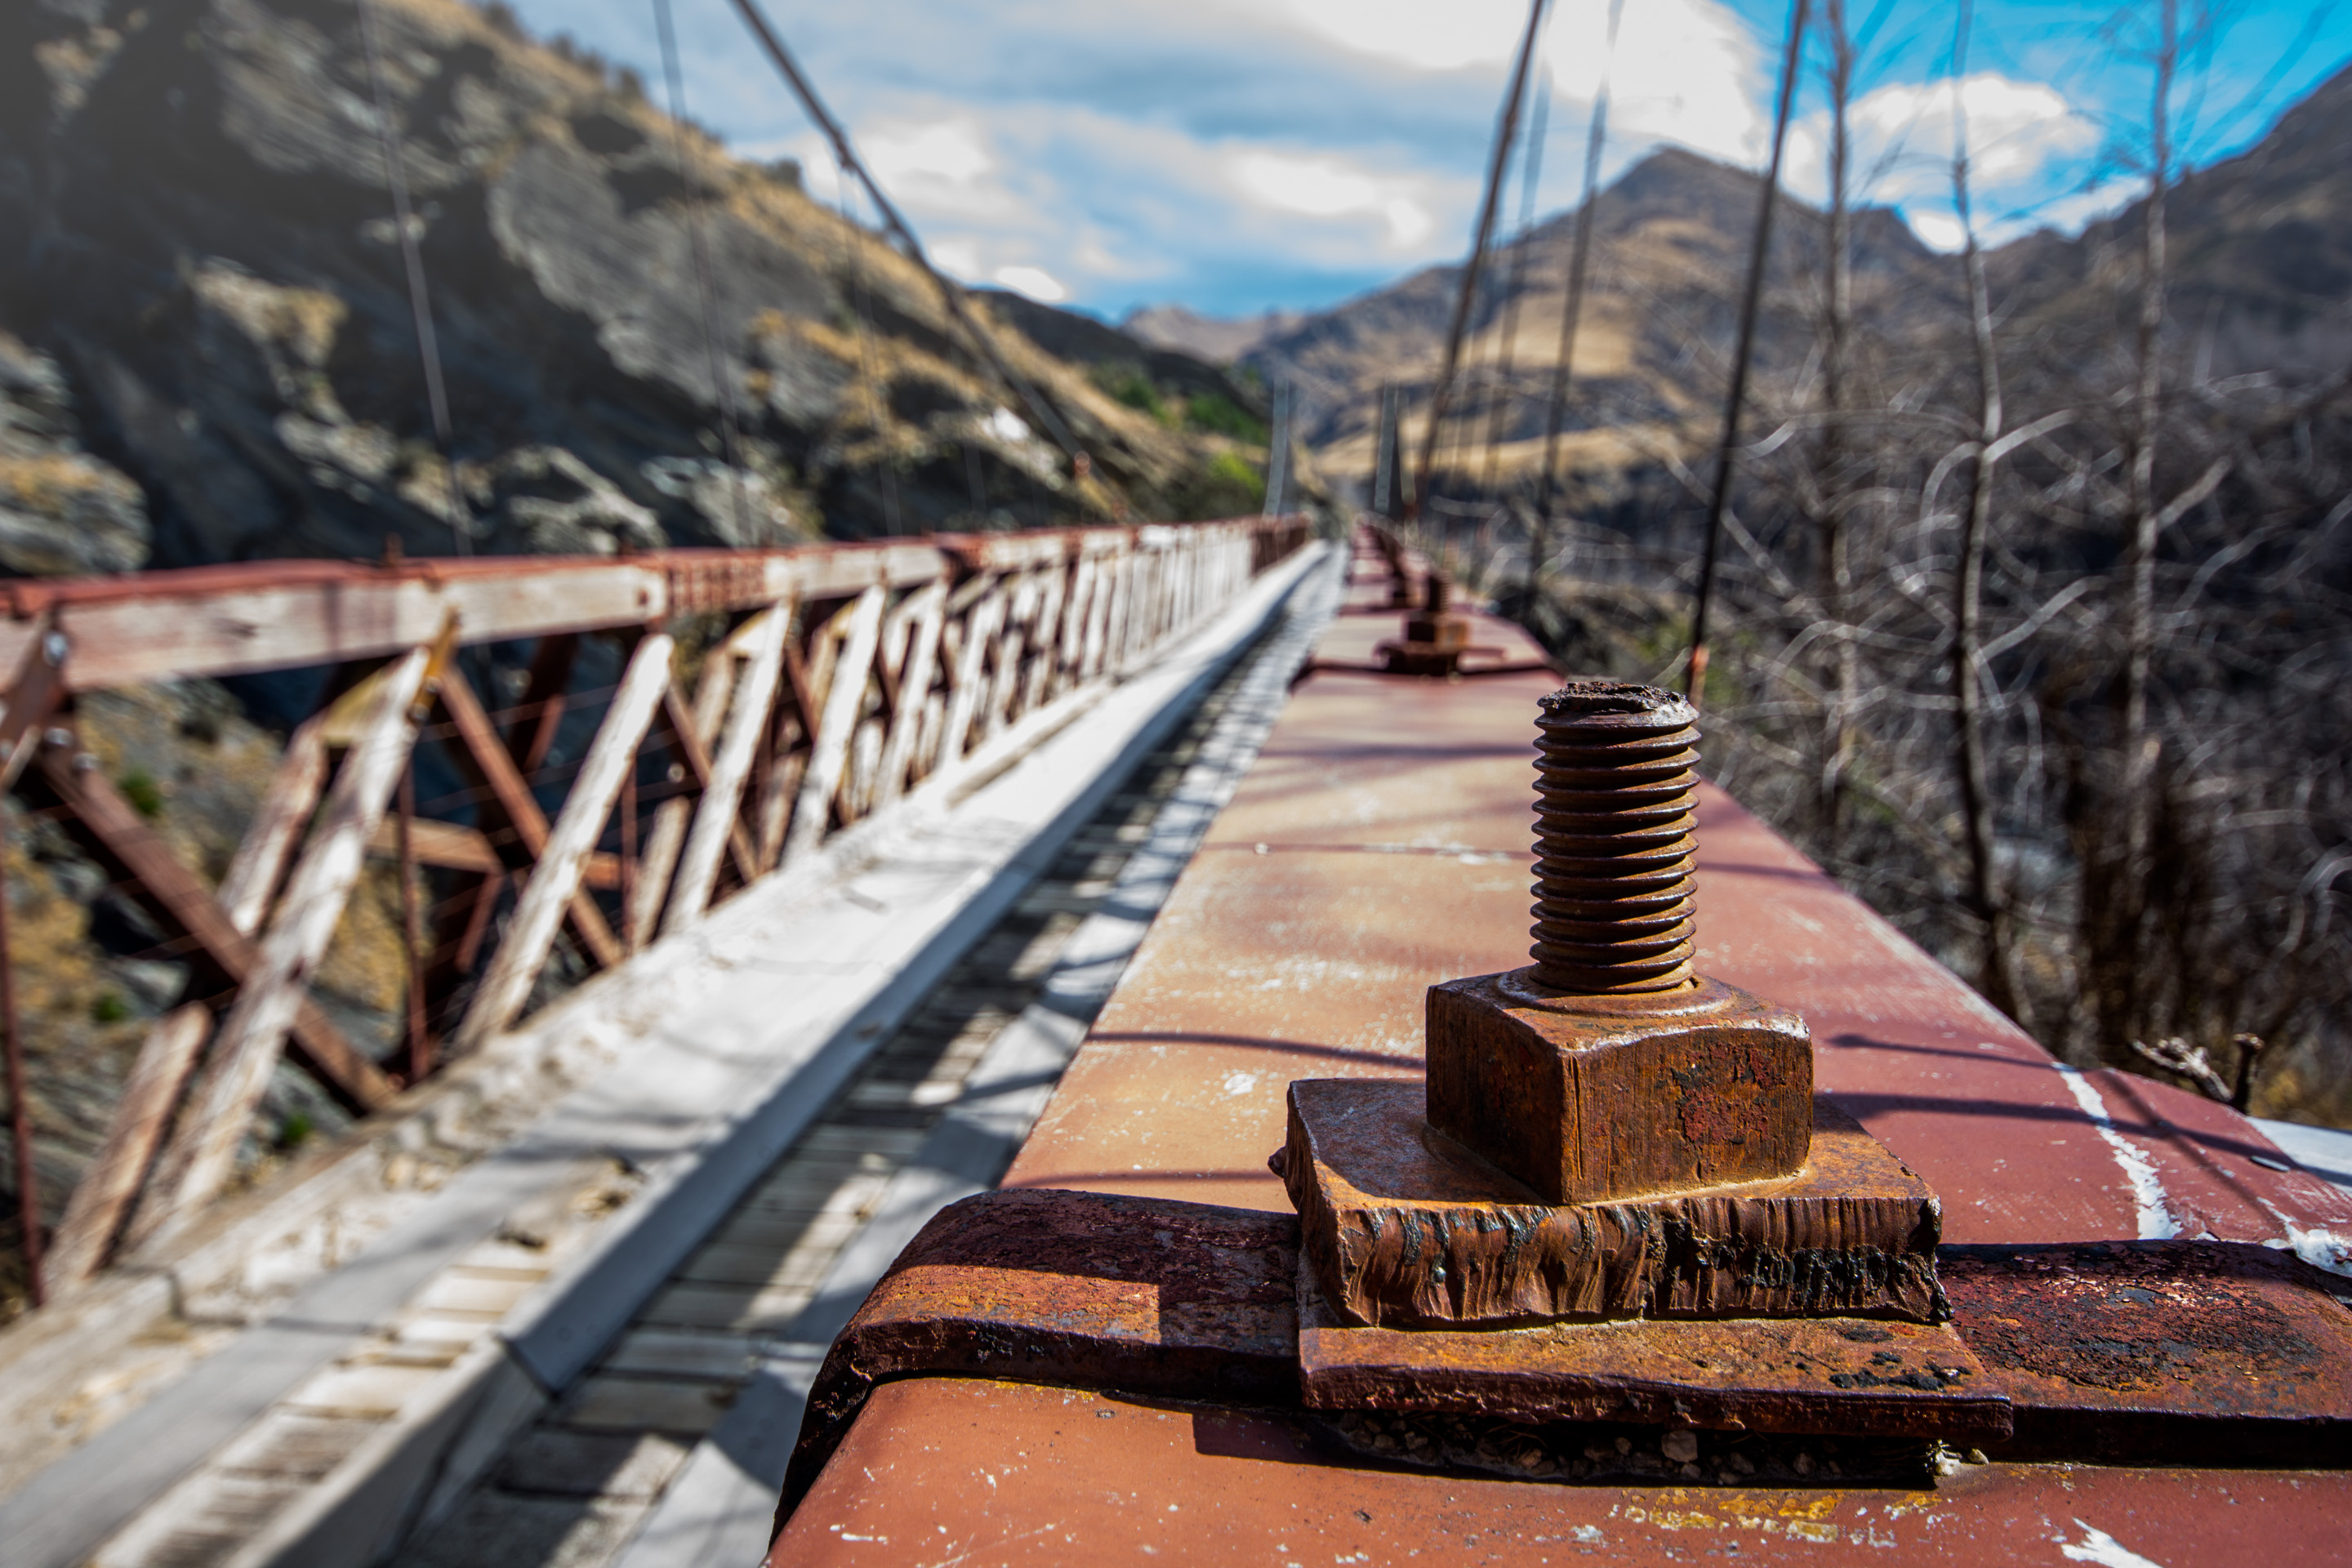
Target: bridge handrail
(854,679)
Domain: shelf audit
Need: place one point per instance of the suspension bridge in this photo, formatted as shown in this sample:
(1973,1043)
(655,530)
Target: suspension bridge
(864,1011)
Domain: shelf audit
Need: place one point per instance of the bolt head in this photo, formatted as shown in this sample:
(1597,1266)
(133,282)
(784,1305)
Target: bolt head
(1589,1099)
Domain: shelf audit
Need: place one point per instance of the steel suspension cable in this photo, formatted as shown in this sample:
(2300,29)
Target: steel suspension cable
(950,292)
(420,299)
(1505,131)
(1500,398)
(705,277)
(1579,255)
(1726,454)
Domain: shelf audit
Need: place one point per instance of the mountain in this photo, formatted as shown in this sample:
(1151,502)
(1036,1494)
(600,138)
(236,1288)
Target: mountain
(1670,241)
(1218,339)
(2259,248)
(2261,279)
(209,351)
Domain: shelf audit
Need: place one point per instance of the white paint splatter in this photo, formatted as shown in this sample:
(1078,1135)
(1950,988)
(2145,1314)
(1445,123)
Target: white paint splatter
(2098,1546)
(2319,1246)
(2157,1222)
(1240,1082)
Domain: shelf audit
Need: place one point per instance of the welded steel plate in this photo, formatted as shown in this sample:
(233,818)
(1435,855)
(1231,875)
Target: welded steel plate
(1838,1376)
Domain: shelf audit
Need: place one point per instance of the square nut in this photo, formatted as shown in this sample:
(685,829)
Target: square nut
(1439,630)
(1587,1099)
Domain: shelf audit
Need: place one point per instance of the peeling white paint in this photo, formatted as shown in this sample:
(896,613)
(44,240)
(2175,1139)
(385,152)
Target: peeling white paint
(2157,1221)
(2319,1246)
(2098,1546)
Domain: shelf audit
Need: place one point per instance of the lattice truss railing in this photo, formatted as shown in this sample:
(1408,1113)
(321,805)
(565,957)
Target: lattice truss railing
(848,680)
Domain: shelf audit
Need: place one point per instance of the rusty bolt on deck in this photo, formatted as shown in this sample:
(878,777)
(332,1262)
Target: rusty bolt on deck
(1435,635)
(1606,1069)
(1606,1133)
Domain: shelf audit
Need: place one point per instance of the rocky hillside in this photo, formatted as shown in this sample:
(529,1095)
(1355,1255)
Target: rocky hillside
(2260,248)
(209,353)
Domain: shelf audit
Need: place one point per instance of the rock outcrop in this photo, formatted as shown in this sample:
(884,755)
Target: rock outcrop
(199,262)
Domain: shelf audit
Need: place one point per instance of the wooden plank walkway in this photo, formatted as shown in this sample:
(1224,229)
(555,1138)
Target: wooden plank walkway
(571,1491)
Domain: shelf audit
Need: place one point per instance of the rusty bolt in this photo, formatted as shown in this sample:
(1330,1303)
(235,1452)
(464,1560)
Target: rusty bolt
(1616,813)
(1608,1070)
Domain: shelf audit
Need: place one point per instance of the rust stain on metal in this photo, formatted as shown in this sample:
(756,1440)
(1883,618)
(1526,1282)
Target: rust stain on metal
(1588,1097)
(2184,1338)
(1406,1227)
(1607,1135)
(1771,1374)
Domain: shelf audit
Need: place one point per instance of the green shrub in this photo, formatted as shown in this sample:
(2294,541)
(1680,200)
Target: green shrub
(1220,416)
(139,788)
(1225,485)
(109,1007)
(1127,384)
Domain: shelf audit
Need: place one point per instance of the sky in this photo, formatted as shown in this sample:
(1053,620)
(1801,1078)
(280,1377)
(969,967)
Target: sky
(1236,156)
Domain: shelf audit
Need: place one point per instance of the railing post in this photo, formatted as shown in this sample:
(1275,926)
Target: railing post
(556,877)
(201,1156)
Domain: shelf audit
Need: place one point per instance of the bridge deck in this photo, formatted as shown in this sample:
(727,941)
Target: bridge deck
(1381,843)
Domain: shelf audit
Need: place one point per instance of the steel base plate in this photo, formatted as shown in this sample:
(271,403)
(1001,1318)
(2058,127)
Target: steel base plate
(1834,1375)
(1406,1227)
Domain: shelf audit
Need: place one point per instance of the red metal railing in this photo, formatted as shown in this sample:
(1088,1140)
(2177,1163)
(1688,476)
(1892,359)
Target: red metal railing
(842,682)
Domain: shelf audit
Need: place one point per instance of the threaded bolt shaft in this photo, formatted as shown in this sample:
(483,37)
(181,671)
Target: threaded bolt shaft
(1616,813)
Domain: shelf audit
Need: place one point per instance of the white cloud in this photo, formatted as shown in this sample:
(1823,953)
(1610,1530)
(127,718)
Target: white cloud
(1938,231)
(958,256)
(1033,281)
(1413,33)
(1331,188)
(1686,71)
(2020,135)
(949,152)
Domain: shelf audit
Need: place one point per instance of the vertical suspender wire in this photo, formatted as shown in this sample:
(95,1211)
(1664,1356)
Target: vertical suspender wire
(705,275)
(1506,130)
(20,1103)
(420,299)
(1499,401)
(1580,257)
(1277,456)
(1719,505)
(861,288)
(1385,455)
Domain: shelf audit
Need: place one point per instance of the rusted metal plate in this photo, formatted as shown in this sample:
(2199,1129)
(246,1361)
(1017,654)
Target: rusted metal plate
(1078,1288)
(1011,1476)
(1405,1228)
(1834,1375)
(2157,1350)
